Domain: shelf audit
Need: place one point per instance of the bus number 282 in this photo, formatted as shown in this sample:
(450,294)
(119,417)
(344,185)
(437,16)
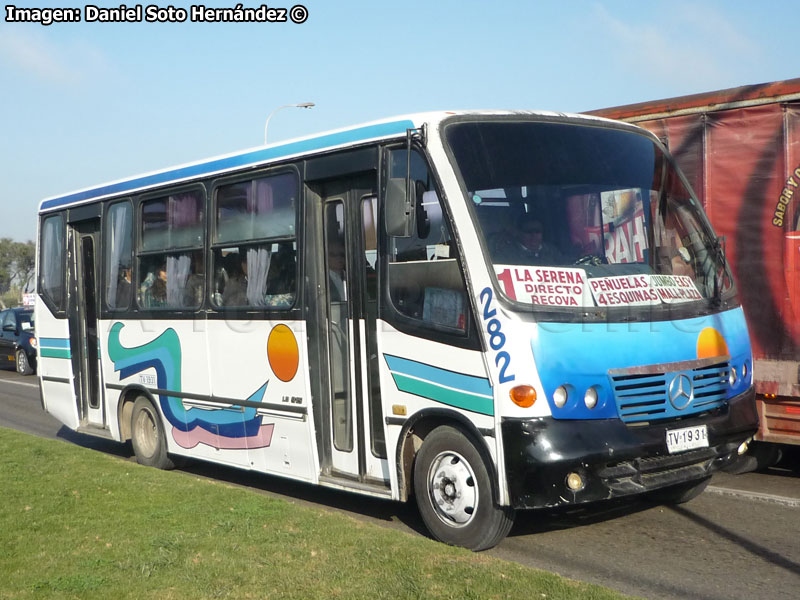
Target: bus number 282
(497,338)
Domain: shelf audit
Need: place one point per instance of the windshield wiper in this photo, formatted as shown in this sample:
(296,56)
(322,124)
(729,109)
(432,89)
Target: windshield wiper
(719,261)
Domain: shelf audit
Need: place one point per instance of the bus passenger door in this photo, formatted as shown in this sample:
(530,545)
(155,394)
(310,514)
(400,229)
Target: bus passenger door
(353,447)
(82,312)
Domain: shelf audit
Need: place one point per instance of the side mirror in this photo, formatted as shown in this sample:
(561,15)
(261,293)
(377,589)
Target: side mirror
(400,209)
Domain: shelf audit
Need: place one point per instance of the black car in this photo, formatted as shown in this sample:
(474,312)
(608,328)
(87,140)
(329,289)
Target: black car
(17,341)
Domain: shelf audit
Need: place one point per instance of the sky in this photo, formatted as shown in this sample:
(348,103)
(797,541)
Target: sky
(90,102)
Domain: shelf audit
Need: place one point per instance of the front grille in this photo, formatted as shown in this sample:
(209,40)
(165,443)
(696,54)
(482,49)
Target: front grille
(642,394)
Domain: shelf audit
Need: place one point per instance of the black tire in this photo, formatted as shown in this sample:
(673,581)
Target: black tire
(759,457)
(23,364)
(147,436)
(766,454)
(455,495)
(678,494)
(741,464)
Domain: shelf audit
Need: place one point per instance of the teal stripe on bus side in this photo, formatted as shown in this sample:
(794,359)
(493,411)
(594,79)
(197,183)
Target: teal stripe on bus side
(55,353)
(431,391)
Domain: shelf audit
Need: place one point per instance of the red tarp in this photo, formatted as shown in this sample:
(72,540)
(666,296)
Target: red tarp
(750,154)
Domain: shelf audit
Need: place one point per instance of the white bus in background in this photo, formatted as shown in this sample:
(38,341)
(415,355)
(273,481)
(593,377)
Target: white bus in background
(485,311)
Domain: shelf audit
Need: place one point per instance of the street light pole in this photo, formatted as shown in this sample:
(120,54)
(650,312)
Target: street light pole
(300,105)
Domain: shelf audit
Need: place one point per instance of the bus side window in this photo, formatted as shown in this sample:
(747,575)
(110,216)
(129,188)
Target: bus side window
(425,281)
(171,270)
(119,233)
(51,261)
(254,247)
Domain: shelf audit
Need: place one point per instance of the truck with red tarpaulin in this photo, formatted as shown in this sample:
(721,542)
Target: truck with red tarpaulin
(740,150)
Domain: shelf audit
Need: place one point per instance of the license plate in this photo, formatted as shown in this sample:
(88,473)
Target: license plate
(687,438)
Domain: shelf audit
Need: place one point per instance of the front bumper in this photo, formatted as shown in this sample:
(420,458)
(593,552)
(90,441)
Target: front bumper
(615,459)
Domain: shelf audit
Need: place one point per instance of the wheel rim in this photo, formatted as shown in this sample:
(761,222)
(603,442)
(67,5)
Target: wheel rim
(20,362)
(146,433)
(453,489)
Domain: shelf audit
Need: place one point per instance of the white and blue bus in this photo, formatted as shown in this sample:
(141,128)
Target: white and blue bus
(486,311)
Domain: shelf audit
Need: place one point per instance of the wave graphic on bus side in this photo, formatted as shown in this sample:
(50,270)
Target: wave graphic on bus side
(222,428)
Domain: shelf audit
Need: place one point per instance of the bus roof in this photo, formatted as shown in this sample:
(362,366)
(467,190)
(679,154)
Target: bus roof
(330,140)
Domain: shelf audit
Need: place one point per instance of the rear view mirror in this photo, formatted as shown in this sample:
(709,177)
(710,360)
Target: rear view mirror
(400,208)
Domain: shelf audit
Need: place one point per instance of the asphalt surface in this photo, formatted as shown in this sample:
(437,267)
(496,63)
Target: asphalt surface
(738,540)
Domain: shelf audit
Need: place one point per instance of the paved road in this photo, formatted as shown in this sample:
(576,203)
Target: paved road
(740,539)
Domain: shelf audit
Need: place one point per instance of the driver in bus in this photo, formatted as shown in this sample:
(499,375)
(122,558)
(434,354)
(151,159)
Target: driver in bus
(529,247)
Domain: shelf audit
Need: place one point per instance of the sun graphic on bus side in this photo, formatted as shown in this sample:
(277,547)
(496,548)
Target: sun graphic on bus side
(282,352)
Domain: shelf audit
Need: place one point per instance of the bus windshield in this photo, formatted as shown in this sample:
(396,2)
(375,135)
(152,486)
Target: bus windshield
(585,215)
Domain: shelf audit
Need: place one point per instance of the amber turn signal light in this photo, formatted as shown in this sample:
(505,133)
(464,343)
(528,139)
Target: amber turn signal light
(523,395)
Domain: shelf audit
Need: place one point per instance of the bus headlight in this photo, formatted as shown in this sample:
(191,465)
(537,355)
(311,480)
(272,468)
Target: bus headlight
(744,370)
(560,397)
(732,377)
(590,399)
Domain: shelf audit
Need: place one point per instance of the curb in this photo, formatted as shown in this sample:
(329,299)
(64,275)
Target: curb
(771,498)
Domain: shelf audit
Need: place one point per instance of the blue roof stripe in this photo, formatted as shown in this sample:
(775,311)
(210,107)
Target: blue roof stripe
(240,160)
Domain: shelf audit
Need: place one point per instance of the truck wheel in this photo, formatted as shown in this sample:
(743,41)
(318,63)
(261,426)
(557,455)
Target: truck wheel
(454,493)
(767,455)
(147,436)
(23,365)
(678,494)
(759,457)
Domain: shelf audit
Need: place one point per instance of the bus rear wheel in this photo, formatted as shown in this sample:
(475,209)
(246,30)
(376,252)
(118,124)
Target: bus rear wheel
(147,436)
(454,492)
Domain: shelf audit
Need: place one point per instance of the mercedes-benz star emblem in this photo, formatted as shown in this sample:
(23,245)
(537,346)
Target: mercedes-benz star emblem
(681,391)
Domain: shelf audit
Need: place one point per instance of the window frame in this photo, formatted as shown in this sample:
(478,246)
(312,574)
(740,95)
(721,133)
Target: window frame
(59,308)
(214,245)
(139,253)
(104,258)
(549,314)
(462,338)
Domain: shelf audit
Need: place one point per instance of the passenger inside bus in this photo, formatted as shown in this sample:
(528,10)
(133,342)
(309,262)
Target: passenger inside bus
(256,275)
(153,291)
(193,289)
(122,298)
(282,277)
(174,281)
(675,257)
(234,278)
(336,271)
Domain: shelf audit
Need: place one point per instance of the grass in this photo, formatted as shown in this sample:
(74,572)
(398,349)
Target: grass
(76,523)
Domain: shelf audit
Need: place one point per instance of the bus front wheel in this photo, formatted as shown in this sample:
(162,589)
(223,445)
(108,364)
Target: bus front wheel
(454,492)
(147,436)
